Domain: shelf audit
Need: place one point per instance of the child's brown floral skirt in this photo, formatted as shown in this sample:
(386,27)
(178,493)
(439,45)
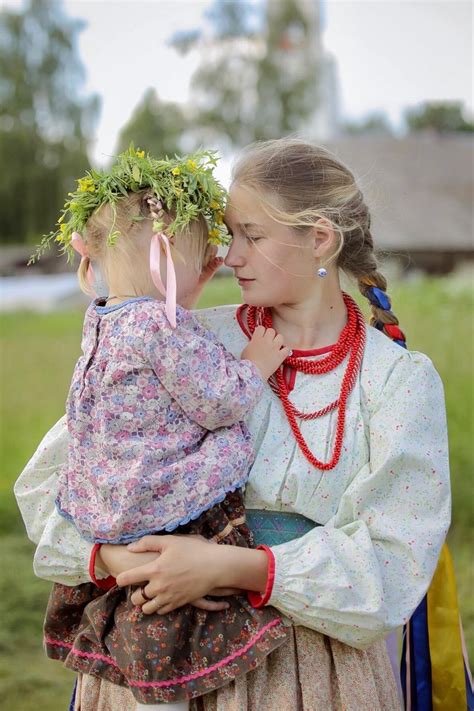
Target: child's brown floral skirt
(164,658)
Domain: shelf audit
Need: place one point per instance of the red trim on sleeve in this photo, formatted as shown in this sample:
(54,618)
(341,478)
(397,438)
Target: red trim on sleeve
(102,583)
(256,599)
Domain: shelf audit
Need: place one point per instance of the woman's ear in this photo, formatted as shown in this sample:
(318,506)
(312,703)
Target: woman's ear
(325,239)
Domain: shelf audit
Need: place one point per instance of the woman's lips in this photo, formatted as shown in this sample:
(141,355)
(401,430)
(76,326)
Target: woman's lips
(244,281)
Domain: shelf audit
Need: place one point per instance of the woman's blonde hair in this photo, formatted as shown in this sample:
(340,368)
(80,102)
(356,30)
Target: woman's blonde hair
(190,245)
(298,184)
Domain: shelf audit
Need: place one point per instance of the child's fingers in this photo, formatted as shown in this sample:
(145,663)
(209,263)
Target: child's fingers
(210,269)
(270,334)
(217,262)
(212,251)
(259,331)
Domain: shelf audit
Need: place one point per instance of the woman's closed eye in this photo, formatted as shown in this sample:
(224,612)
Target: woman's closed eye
(252,238)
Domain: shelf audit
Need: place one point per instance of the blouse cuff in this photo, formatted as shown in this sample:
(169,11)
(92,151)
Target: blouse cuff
(102,583)
(258,599)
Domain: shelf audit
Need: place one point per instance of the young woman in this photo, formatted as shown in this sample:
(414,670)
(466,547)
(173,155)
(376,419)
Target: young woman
(349,492)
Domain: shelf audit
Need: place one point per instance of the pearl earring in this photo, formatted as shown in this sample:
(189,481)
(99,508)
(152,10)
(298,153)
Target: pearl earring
(322,272)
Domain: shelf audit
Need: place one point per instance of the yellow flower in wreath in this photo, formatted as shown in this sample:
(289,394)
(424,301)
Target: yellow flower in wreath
(86,185)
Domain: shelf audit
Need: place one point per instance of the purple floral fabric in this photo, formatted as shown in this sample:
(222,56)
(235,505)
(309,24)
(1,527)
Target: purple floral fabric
(155,418)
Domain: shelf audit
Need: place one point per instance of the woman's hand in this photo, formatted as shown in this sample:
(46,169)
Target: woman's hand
(185,571)
(116,559)
(189,568)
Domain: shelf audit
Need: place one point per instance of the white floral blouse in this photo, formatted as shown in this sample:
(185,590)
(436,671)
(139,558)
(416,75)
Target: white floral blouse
(384,509)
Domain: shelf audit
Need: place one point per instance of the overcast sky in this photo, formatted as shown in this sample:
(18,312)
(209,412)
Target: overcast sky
(389,54)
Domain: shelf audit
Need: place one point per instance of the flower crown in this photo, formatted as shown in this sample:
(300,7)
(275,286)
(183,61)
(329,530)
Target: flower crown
(184,184)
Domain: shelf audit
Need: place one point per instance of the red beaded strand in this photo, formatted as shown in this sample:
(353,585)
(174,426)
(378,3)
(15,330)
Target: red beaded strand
(351,342)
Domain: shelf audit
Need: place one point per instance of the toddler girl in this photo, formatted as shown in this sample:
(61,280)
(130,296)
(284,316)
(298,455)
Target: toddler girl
(157,439)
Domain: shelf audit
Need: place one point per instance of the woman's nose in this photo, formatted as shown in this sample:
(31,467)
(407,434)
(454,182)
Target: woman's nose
(234,257)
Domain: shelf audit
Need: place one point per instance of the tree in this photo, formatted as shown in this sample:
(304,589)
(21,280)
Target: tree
(44,120)
(442,117)
(155,126)
(259,75)
(288,71)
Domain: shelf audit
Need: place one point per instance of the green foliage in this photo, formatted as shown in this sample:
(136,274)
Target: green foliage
(157,126)
(44,121)
(287,89)
(439,116)
(254,85)
(185,185)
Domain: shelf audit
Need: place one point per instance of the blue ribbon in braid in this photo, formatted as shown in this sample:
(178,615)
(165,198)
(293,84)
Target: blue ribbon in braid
(380,300)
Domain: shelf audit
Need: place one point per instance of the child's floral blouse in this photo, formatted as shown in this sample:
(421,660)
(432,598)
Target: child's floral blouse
(155,420)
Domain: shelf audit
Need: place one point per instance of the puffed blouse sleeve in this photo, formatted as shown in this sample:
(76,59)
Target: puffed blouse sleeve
(62,556)
(365,571)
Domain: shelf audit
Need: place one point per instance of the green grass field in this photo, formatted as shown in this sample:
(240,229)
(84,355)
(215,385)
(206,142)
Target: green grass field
(38,353)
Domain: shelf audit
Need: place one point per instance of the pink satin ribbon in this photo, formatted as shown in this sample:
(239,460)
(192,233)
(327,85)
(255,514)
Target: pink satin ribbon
(79,245)
(169,292)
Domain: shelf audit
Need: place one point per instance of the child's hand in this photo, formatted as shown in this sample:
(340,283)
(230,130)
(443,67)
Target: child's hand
(189,300)
(266,350)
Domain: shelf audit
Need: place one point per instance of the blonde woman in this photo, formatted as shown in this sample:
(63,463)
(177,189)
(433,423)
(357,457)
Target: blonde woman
(349,492)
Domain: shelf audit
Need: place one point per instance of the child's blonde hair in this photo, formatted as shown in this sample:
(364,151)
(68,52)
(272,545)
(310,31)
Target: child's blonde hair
(298,184)
(131,212)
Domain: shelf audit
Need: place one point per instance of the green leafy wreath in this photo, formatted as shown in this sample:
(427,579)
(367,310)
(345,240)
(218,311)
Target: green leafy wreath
(184,184)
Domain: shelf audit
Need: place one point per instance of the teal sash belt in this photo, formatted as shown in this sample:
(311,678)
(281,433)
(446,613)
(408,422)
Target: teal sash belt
(274,527)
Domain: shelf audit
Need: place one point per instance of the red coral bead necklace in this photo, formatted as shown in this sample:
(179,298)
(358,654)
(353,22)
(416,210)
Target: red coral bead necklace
(351,343)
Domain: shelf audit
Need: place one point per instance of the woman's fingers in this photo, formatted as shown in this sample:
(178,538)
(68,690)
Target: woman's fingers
(210,605)
(152,606)
(140,596)
(136,575)
(163,608)
(157,542)
(149,605)
(147,543)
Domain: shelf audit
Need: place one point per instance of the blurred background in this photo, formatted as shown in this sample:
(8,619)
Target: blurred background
(385,85)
